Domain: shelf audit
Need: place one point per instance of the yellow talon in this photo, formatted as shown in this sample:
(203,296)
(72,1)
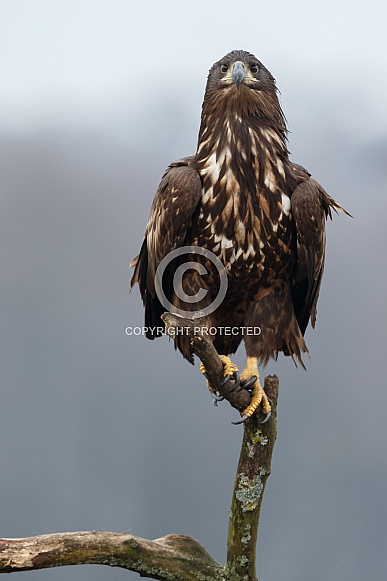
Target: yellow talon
(258,396)
(229,368)
(204,371)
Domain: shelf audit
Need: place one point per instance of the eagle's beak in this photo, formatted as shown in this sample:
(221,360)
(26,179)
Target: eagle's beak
(238,73)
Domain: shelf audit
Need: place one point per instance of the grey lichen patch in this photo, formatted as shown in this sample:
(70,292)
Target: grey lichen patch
(233,575)
(249,491)
(243,560)
(246,537)
(256,438)
(155,572)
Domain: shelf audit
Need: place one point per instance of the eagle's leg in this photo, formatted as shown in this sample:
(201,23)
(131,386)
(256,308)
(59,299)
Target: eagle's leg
(250,377)
(230,370)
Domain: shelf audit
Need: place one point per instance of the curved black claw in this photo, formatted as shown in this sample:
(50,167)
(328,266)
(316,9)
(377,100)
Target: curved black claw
(268,416)
(225,380)
(235,377)
(250,382)
(216,397)
(241,421)
(215,394)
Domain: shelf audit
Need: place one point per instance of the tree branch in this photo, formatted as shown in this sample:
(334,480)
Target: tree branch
(174,557)
(252,473)
(255,458)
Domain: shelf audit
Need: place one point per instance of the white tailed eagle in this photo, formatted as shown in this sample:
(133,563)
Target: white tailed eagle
(259,213)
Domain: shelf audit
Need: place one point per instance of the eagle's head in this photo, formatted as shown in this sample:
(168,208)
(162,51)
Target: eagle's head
(240,71)
(240,85)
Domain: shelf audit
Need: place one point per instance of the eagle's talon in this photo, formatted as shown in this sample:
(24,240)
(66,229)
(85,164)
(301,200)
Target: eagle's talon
(203,370)
(236,378)
(250,382)
(241,421)
(230,371)
(217,397)
(268,416)
(225,380)
(258,395)
(229,367)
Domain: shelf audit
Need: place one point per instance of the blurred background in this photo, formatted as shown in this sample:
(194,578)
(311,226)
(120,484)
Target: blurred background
(99,430)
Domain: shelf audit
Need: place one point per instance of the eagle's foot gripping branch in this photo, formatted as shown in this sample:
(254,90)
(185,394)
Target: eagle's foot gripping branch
(250,379)
(258,397)
(230,372)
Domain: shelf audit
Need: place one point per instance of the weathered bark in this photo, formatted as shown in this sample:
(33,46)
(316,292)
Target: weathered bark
(252,473)
(174,557)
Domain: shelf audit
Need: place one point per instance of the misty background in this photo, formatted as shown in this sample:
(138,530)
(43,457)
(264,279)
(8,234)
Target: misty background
(99,430)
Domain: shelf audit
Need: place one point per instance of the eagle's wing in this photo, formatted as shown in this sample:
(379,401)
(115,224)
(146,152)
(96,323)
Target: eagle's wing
(170,219)
(311,206)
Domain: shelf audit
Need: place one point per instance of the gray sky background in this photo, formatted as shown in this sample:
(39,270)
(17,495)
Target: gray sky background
(104,431)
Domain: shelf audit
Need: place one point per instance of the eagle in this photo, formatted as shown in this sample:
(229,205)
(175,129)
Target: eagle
(241,200)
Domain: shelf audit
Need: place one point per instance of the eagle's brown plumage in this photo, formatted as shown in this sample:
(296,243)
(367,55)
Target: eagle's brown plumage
(241,198)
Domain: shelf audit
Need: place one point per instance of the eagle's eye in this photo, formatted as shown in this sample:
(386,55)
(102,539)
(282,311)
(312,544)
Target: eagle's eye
(223,68)
(254,69)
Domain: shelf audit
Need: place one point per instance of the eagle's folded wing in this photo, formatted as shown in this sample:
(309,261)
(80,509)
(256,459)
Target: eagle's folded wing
(170,218)
(311,206)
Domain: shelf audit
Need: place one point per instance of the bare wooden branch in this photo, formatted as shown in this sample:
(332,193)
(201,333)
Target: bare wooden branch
(252,473)
(255,457)
(173,557)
